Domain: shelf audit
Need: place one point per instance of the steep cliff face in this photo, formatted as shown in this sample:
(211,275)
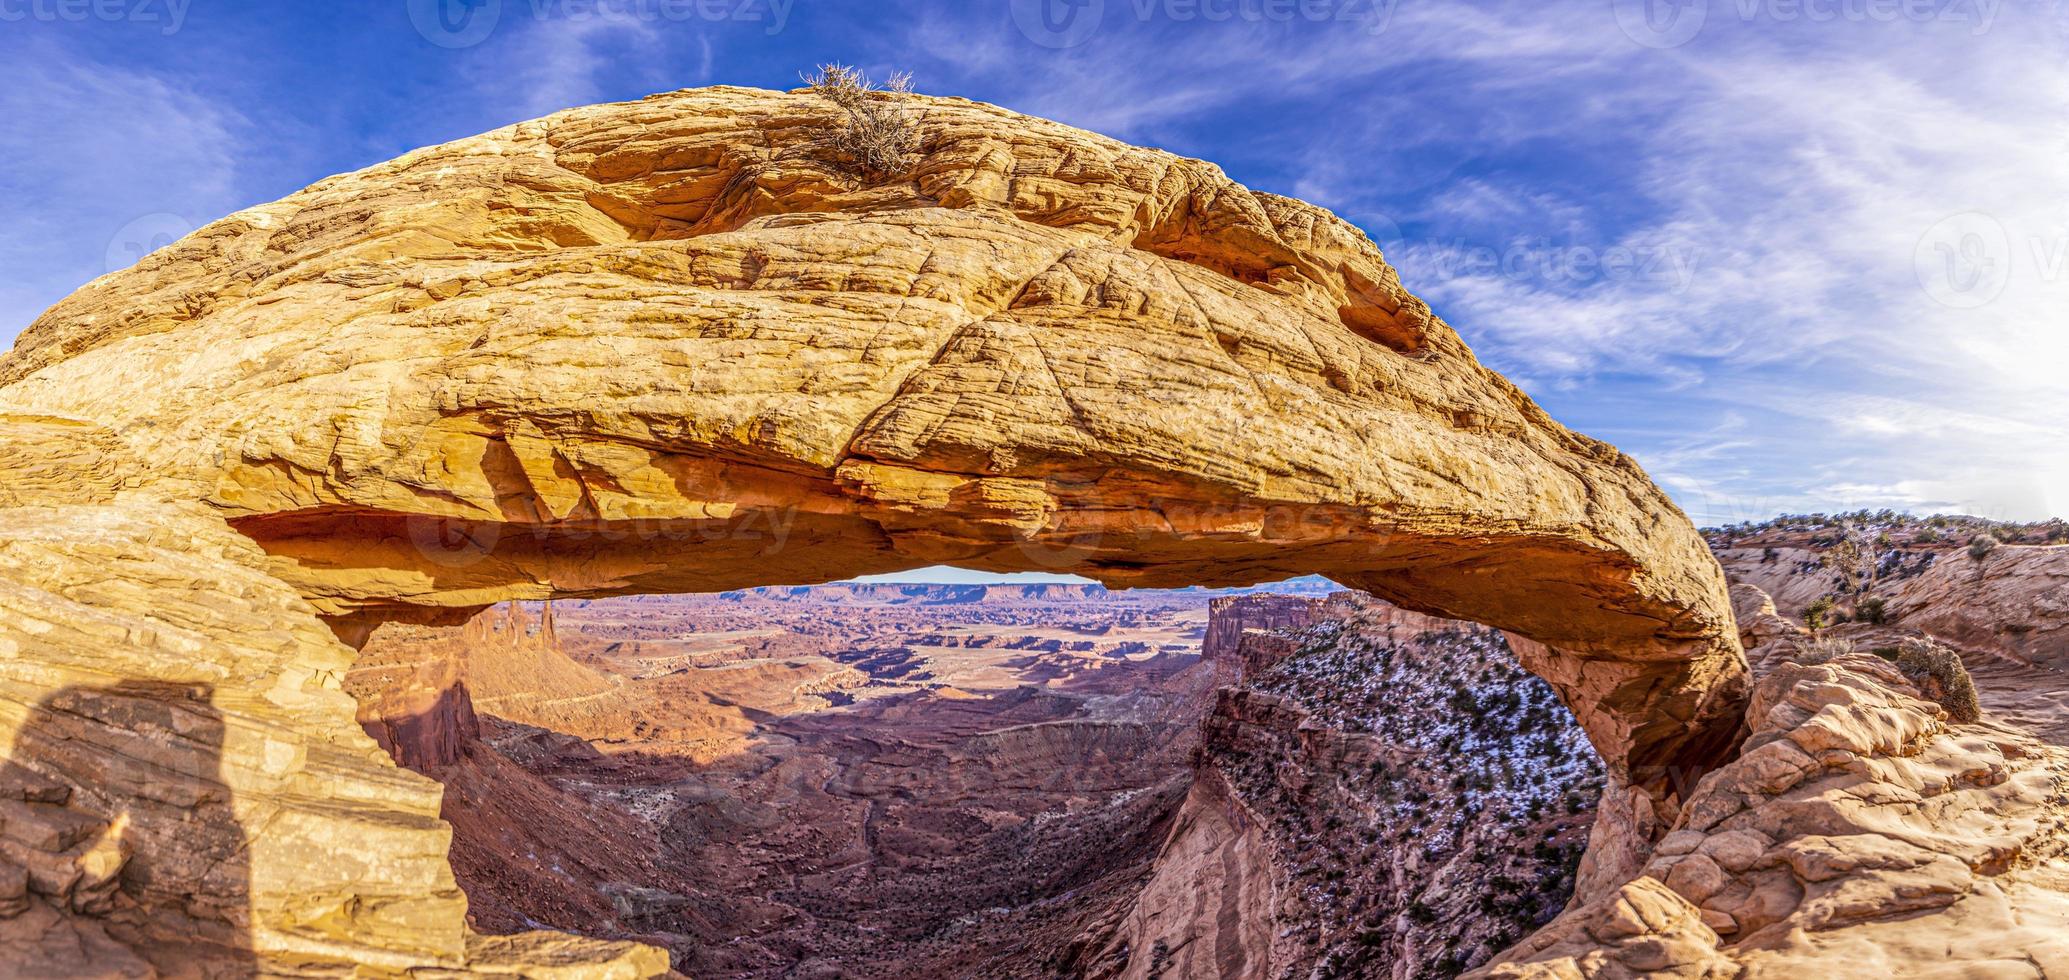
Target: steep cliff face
(1372,801)
(1229,617)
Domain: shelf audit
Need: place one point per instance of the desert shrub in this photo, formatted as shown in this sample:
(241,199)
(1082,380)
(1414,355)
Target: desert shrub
(1819,613)
(1981,546)
(1927,536)
(1939,672)
(1873,610)
(878,133)
(1821,649)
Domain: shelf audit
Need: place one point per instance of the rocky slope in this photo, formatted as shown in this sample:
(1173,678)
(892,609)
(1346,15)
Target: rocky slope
(1993,587)
(1860,833)
(2013,601)
(1369,800)
(1864,830)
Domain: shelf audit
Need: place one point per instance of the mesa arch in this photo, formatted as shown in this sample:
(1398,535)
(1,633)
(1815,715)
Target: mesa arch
(669,346)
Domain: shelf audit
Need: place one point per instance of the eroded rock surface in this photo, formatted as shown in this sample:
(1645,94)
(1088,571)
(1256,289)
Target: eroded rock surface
(1858,834)
(1951,577)
(1380,794)
(660,346)
(2013,601)
(185,786)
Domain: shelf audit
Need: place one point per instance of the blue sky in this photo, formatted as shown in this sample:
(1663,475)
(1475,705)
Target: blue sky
(1790,254)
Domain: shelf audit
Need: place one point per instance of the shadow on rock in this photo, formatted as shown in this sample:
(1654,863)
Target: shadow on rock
(120,852)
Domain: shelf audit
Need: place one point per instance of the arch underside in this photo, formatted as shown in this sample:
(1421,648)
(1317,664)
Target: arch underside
(1648,683)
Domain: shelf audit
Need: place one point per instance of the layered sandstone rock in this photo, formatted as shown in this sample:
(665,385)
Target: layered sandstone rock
(1233,619)
(185,785)
(663,346)
(1371,801)
(1229,617)
(2013,601)
(1859,834)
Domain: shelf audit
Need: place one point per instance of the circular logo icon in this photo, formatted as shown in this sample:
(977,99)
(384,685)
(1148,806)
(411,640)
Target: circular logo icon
(451,542)
(455,23)
(1383,232)
(1058,23)
(142,237)
(1660,23)
(1964,260)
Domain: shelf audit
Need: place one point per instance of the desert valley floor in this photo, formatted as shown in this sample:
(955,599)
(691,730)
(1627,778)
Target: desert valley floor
(946,780)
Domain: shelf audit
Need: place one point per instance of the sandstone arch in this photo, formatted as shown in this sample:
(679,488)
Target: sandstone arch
(625,348)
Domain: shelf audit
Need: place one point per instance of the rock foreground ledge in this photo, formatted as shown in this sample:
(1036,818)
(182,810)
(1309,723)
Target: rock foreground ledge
(667,346)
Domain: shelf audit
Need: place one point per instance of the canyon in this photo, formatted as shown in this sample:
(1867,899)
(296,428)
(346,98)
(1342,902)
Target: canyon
(937,780)
(1253,784)
(266,495)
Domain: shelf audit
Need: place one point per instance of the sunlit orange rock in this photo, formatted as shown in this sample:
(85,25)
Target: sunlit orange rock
(666,346)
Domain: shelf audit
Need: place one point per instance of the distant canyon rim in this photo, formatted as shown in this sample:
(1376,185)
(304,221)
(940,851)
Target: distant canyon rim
(611,351)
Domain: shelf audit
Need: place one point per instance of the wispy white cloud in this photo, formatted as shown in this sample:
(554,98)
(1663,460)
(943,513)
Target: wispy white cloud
(1784,183)
(546,64)
(102,163)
